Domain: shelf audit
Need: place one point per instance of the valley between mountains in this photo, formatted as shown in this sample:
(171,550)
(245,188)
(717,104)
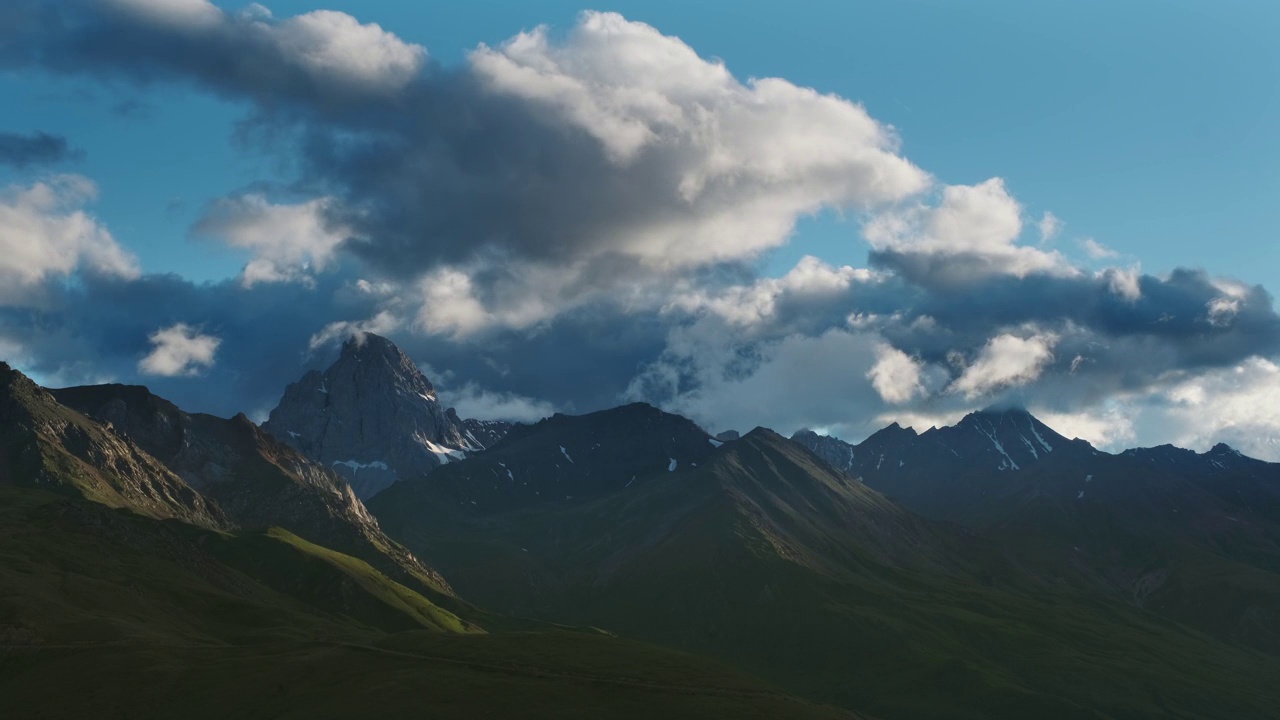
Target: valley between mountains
(368,552)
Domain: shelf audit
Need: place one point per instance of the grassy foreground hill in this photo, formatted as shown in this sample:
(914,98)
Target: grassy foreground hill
(766,557)
(126,593)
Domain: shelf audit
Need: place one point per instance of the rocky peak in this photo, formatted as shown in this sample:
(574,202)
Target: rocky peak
(48,445)
(255,479)
(372,416)
(838,453)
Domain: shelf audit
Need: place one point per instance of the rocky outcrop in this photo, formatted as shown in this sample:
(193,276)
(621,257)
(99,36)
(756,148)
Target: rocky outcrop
(46,445)
(256,480)
(487,433)
(837,453)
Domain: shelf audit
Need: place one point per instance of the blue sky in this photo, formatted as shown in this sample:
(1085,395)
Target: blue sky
(1148,126)
(838,227)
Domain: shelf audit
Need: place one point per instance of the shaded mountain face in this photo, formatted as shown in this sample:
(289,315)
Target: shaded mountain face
(1194,536)
(124,587)
(46,445)
(765,556)
(258,481)
(486,432)
(573,458)
(836,452)
(371,416)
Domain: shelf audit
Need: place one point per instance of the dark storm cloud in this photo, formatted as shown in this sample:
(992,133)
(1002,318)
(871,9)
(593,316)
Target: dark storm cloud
(38,148)
(438,165)
(299,62)
(585,223)
(98,328)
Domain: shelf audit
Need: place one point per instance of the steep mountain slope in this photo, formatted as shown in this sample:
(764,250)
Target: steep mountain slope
(836,452)
(44,444)
(1193,536)
(106,613)
(258,481)
(486,432)
(372,416)
(767,557)
(124,592)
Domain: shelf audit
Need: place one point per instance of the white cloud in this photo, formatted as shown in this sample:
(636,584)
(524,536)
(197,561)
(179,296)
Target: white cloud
(179,350)
(289,242)
(1239,405)
(795,381)
(383,323)
(335,46)
(755,303)
(1050,225)
(1096,250)
(1005,361)
(977,225)
(1110,427)
(896,375)
(738,163)
(45,232)
(1124,282)
(472,401)
(176,14)
(1222,310)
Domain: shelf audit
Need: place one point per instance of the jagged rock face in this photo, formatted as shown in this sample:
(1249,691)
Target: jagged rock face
(486,433)
(44,444)
(836,452)
(372,416)
(258,481)
(728,435)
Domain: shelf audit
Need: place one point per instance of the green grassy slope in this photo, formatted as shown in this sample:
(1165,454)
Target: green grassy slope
(406,676)
(107,613)
(766,558)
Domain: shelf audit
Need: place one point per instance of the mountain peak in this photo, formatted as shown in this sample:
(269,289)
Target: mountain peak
(374,353)
(372,415)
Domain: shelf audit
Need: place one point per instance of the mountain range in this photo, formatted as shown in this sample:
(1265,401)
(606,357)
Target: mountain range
(367,551)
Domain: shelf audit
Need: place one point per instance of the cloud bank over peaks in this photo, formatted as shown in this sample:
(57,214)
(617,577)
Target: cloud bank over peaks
(565,220)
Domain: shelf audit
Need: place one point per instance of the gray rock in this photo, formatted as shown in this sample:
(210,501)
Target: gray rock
(487,433)
(372,416)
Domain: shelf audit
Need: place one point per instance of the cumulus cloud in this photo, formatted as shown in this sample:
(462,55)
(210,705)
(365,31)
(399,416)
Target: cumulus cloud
(38,148)
(1109,426)
(579,216)
(811,283)
(179,350)
(289,242)
(1005,361)
(323,58)
(472,401)
(383,323)
(971,234)
(789,382)
(46,233)
(896,375)
(1238,405)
